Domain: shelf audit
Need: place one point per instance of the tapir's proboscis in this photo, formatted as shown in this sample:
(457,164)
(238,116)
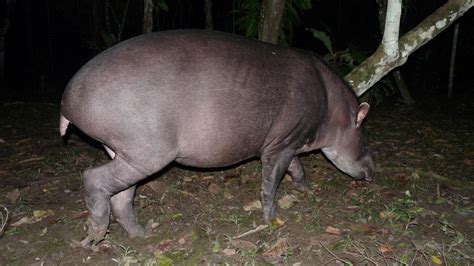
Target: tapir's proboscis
(208,99)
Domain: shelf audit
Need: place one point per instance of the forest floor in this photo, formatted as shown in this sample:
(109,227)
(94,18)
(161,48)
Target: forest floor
(418,211)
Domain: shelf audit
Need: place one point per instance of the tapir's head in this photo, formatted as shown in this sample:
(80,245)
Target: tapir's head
(347,148)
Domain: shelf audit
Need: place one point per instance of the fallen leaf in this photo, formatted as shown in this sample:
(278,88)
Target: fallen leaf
(385,248)
(469,162)
(277,222)
(13,195)
(244,245)
(287,201)
(40,214)
(165,244)
(2,141)
(333,230)
(187,178)
(253,206)
(436,260)
(229,252)
(287,178)
(213,188)
(363,228)
(228,196)
(277,249)
(44,231)
(24,220)
(208,177)
(384,215)
(80,215)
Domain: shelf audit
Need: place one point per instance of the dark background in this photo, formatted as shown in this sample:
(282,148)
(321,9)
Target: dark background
(49,40)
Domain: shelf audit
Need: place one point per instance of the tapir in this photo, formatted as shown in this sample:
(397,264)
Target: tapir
(208,99)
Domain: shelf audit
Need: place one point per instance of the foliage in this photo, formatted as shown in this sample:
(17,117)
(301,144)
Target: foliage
(112,32)
(248,13)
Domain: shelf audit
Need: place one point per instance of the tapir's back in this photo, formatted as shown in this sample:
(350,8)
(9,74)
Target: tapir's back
(201,92)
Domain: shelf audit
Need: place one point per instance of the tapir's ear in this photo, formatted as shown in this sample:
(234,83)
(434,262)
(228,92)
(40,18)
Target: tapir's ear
(362,113)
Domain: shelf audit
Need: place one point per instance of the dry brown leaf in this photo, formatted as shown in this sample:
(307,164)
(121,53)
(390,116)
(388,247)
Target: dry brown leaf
(164,245)
(228,196)
(244,245)
(287,201)
(213,188)
(187,178)
(253,206)
(24,220)
(383,248)
(333,230)
(387,215)
(80,215)
(208,177)
(229,252)
(13,195)
(277,249)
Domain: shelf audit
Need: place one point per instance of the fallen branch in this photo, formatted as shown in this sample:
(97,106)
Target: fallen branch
(253,231)
(334,255)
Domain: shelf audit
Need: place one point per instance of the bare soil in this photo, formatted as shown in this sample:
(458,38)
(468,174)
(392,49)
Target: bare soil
(418,211)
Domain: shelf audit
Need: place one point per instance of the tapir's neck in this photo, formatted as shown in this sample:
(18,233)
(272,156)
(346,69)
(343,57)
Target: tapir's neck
(341,108)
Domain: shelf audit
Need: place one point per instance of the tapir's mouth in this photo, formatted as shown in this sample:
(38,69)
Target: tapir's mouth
(366,175)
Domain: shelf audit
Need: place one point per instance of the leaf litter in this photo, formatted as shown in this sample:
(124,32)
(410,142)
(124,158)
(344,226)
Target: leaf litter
(424,162)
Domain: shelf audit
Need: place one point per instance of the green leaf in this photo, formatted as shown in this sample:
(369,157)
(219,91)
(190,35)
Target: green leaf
(324,38)
(162,5)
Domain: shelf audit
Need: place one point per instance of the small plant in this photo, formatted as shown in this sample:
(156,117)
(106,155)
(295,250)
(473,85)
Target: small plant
(127,256)
(237,220)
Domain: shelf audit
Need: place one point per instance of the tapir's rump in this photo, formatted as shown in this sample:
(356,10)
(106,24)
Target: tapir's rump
(207,99)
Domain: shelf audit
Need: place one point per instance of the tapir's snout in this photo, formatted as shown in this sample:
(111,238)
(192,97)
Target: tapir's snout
(367,165)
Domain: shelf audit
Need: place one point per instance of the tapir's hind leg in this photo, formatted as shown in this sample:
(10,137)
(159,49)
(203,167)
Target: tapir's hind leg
(100,184)
(122,208)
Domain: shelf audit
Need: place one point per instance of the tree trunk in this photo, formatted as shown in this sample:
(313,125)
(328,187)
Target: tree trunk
(208,12)
(453,61)
(397,75)
(270,20)
(147,16)
(393,52)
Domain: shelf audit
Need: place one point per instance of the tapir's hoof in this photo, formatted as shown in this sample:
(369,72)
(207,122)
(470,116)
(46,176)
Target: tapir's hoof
(95,233)
(138,232)
(301,187)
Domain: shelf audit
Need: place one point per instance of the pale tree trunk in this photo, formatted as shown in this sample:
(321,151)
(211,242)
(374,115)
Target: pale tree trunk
(396,74)
(270,20)
(208,11)
(394,51)
(147,16)
(453,61)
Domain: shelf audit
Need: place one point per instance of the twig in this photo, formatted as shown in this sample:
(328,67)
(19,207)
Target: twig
(363,253)
(3,219)
(334,255)
(253,231)
(414,255)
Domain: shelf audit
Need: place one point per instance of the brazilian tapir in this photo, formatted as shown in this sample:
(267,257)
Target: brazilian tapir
(208,99)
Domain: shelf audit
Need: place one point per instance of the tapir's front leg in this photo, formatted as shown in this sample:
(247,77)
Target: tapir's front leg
(274,166)
(296,171)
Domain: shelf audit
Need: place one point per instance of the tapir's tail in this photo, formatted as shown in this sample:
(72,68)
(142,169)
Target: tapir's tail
(63,124)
